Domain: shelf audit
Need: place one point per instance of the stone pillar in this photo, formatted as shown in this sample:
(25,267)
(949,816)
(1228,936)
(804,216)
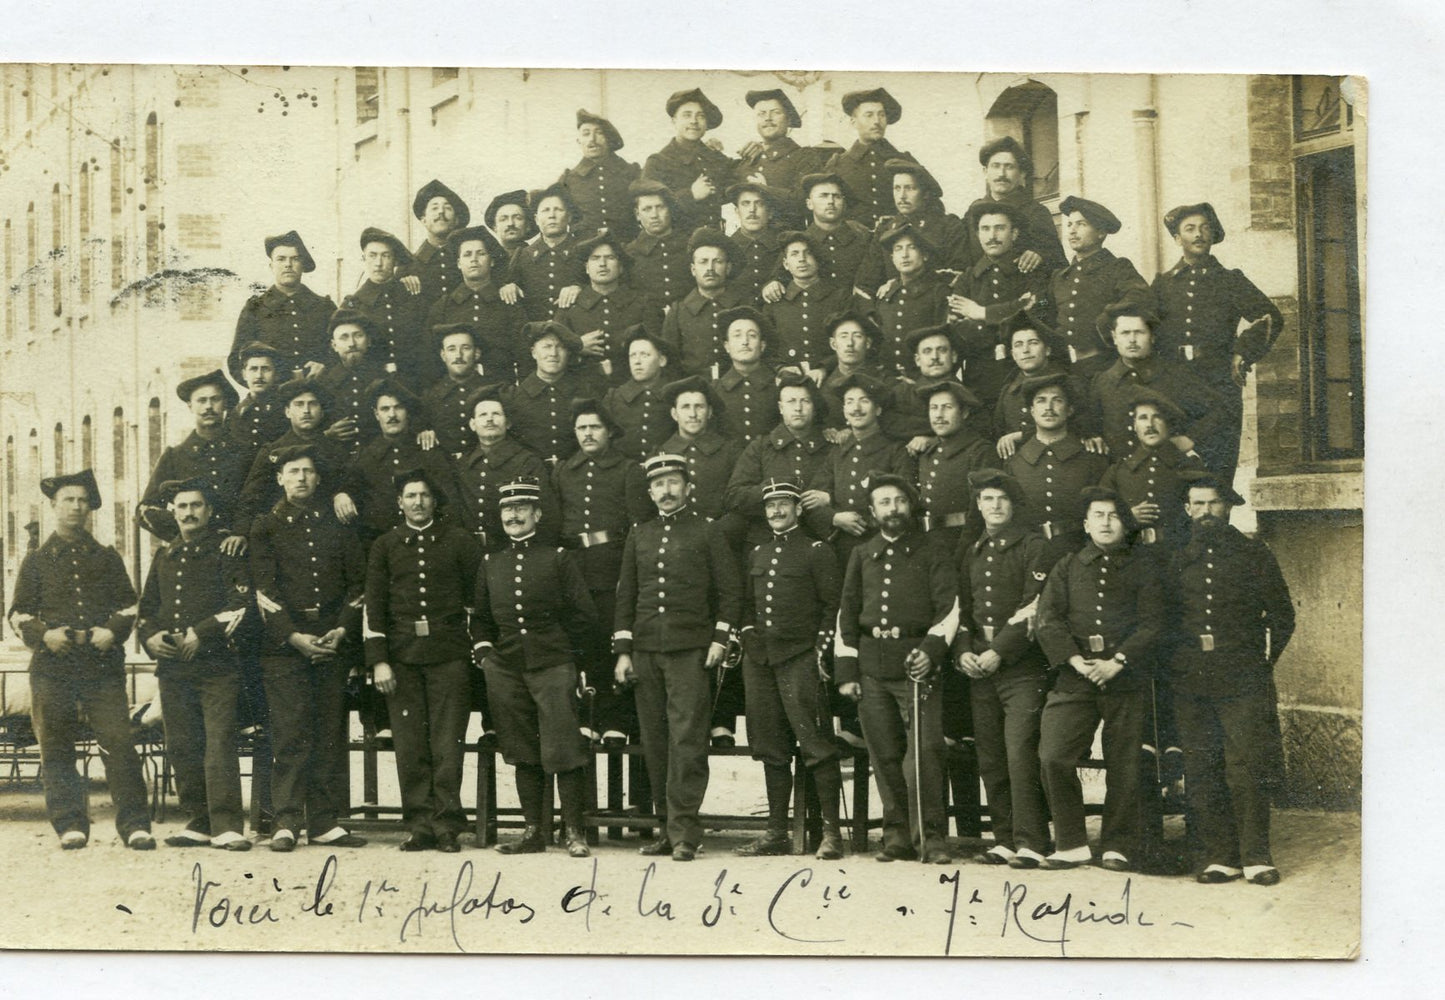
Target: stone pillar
(1146,160)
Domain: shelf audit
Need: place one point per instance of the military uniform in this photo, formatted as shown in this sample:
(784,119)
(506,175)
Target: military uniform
(1111,396)
(755,261)
(1156,474)
(436,268)
(1082,291)
(482,473)
(539,412)
(843,253)
(542,271)
(843,478)
(749,403)
(369,480)
(293,324)
(710,460)
(942,229)
(907,307)
(1051,476)
(311,569)
(643,414)
(779,455)
(221,461)
(614,314)
(261,491)
(1011,412)
(661,266)
(799,320)
(1038,233)
(905,411)
(194,585)
(499,328)
(401,344)
(678,164)
(256,420)
(869,181)
(599,190)
(998,286)
(347,398)
(832,390)
(692,333)
(950,518)
(783,164)
(445,410)
(419,582)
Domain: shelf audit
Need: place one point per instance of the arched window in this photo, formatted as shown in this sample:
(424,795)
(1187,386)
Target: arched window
(1030,113)
(87,444)
(59,444)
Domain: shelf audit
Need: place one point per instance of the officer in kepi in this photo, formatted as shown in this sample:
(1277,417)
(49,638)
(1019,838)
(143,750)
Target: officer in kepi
(533,614)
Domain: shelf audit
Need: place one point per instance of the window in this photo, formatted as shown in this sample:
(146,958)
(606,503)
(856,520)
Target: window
(153,153)
(117,179)
(118,464)
(368,94)
(29,93)
(34,469)
(59,444)
(83,230)
(1030,113)
(10,493)
(1320,107)
(87,444)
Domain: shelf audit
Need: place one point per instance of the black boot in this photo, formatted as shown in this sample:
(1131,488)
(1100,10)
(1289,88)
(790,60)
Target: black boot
(828,780)
(531,788)
(571,789)
(779,782)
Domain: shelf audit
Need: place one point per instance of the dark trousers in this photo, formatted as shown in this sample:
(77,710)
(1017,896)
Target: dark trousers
(957,715)
(429,711)
(198,703)
(536,715)
(672,713)
(886,711)
(56,701)
(252,710)
(612,708)
(1226,774)
(1006,712)
(311,782)
(783,705)
(1066,733)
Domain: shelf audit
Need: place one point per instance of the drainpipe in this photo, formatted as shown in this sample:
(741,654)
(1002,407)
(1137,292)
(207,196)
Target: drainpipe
(1146,158)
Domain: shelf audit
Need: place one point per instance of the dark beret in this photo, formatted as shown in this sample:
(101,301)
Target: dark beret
(350,317)
(896,232)
(708,236)
(216,378)
(584,249)
(756,97)
(793,378)
(644,186)
(1091,495)
(876,480)
(518,198)
(535,199)
(292,452)
(442,331)
(292,239)
(917,336)
(258,349)
(533,332)
(371,234)
(390,386)
(1141,395)
(1104,325)
(1203,477)
(693,383)
(491,391)
(1031,386)
(727,317)
(1006,144)
(52,485)
(710,110)
(925,180)
(773,198)
(892,110)
(986,206)
(418,475)
(811,181)
(960,392)
(589,404)
(172,488)
(1174,216)
(874,388)
(995,479)
(1097,215)
(289,390)
(614,137)
(494,247)
(637,332)
(436,189)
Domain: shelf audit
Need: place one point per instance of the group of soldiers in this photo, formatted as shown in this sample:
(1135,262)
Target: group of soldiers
(873,475)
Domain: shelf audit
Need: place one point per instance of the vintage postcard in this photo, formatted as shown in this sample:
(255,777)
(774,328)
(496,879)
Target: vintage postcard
(634,358)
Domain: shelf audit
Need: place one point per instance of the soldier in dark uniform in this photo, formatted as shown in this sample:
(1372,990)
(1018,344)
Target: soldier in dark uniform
(397,313)
(775,158)
(1202,305)
(862,165)
(790,598)
(1053,465)
(693,171)
(917,299)
(1094,282)
(918,198)
(509,217)
(1101,615)
(309,574)
(608,306)
(345,381)
(598,183)
(420,578)
(476,299)
(637,404)
(933,355)
(691,327)
(696,412)
(193,601)
(747,390)
(678,595)
(602,495)
(444,409)
(1151,478)
(304,404)
(545,275)
(257,418)
(209,452)
(660,256)
(539,406)
(756,243)
(74,606)
(533,614)
(944,470)
(441,212)
(1003,573)
(1008,173)
(896,620)
(853,337)
(799,315)
(1034,350)
(498,458)
(844,245)
(794,452)
(288,315)
(1235,618)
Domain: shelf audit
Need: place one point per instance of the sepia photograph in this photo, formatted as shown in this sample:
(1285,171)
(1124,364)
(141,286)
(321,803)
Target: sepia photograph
(625,511)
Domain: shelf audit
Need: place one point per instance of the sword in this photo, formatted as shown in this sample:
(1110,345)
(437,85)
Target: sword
(732,656)
(588,693)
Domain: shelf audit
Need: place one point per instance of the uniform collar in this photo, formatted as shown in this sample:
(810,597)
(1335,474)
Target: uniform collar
(534,386)
(781,439)
(606,460)
(768,238)
(291,513)
(302,296)
(646,243)
(695,301)
(1144,372)
(1091,553)
(909,541)
(200,542)
(1008,265)
(1094,261)
(732,378)
(875,442)
(958,442)
(1167,453)
(525,542)
(922,283)
(779,148)
(59,546)
(1032,450)
(630,390)
(882,149)
(709,442)
(500,453)
(1011,534)
(1208,263)
(487,293)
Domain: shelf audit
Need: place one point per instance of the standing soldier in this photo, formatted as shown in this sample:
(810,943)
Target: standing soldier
(844,245)
(799,316)
(598,183)
(419,580)
(918,198)
(1100,617)
(945,470)
(917,299)
(896,620)
(442,213)
(533,614)
(476,300)
(789,626)
(1092,283)
(710,456)
(693,171)
(668,645)
(1202,305)
(1008,172)
(304,403)
(608,307)
(309,572)
(775,158)
(444,410)
(194,598)
(348,413)
(756,241)
(1235,619)
(258,418)
(509,217)
(692,327)
(544,275)
(498,458)
(747,390)
(540,404)
(602,495)
(1003,573)
(660,255)
(74,607)
(637,404)
(862,165)
(288,316)
(396,312)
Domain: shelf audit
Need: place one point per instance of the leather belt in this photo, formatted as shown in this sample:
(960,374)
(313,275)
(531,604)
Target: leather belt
(955,520)
(309,614)
(1206,642)
(591,538)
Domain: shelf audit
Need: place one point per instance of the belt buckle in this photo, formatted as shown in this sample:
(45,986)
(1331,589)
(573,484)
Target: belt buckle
(1096,643)
(1206,642)
(1188,352)
(422,628)
(1149,536)
(927,522)
(988,633)
(1000,353)
(1073,355)
(1048,529)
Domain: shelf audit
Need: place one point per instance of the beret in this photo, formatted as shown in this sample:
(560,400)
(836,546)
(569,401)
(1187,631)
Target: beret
(1006,144)
(371,234)
(1174,216)
(614,137)
(756,97)
(892,110)
(710,110)
(292,239)
(216,378)
(436,189)
(1097,215)
(52,485)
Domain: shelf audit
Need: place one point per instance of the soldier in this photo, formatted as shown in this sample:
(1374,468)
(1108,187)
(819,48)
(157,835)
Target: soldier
(441,212)
(637,404)
(1054,464)
(1091,284)
(545,275)
(918,198)
(257,418)
(1004,572)
(193,600)
(775,158)
(598,183)
(348,414)
(538,406)
(788,629)
(509,217)
(207,452)
(1008,173)
(696,412)
(896,620)
(608,306)
(444,409)
(944,471)
(74,607)
(861,166)
(844,245)
(800,313)
(288,315)
(794,452)
(853,337)
(1235,619)
(304,404)
(1151,478)
(933,352)
(476,299)
(756,242)
(396,312)
(691,327)
(1201,308)
(602,495)
(668,645)
(746,390)
(309,573)
(660,256)
(532,613)
(917,299)
(1034,350)
(1100,617)
(420,578)
(498,458)
(692,170)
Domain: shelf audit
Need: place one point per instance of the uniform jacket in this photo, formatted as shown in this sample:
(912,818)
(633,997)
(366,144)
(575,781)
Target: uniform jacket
(944,230)
(599,189)
(533,609)
(613,314)
(194,585)
(223,462)
(412,575)
(799,320)
(261,491)
(445,411)
(1200,308)
(998,286)
(1051,477)
(678,164)
(542,271)
(642,414)
(691,330)
(750,403)
(499,328)
(255,421)
(1001,574)
(1039,233)
(1154,474)
(605,493)
(401,339)
(346,388)
(1011,412)
(293,324)
(311,565)
(783,164)
(436,268)
(540,413)
(777,455)
(905,308)
(943,473)
(710,460)
(80,584)
(847,468)
(755,260)
(661,266)
(1203,406)
(790,596)
(370,480)
(845,251)
(862,169)
(482,473)
(1083,289)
